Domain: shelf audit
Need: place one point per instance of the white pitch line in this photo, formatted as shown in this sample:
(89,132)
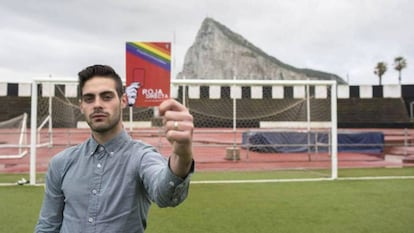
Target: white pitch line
(14,184)
(256,181)
(272,180)
(300,180)
(377,178)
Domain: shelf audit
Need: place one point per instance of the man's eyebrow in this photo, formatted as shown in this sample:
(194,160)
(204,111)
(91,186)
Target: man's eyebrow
(101,93)
(106,92)
(88,95)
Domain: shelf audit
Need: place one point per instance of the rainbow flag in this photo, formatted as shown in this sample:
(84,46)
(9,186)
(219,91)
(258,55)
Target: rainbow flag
(151,52)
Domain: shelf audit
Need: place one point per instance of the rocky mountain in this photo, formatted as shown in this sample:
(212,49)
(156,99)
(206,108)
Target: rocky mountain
(219,53)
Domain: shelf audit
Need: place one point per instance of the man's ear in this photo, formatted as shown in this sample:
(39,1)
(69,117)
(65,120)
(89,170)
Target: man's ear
(124,100)
(80,106)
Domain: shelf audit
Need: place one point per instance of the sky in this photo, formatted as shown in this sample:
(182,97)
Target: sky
(345,37)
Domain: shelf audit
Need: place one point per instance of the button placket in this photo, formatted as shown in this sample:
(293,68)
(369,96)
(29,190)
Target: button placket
(96,181)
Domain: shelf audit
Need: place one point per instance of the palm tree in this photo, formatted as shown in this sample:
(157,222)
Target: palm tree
(399,64)
(379,70)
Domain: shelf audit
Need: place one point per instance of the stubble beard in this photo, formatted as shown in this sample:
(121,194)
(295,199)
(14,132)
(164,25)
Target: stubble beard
(102,127)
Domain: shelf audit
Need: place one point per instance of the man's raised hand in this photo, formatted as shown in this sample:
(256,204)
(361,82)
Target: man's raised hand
(178,124)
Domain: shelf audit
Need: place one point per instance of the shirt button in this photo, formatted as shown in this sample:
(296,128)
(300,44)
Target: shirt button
(101,148)
(90,220)
(94,191)
(99,165)
(112,153)
(171,183)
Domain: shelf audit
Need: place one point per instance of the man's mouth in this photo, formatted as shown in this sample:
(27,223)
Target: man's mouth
(98,116)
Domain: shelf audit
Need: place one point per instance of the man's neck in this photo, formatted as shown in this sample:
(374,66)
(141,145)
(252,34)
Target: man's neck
(104,137)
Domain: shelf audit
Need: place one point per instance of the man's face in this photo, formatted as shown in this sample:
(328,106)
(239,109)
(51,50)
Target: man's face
(101,105)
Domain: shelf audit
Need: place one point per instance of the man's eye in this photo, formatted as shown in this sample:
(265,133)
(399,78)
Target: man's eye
(107,97)
(88,99)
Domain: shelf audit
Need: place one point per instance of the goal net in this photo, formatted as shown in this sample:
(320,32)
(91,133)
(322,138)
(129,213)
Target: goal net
(269,124)
(13,137)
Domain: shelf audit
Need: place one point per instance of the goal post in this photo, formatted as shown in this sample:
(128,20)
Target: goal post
(226,112)
(47,91)
(240,107)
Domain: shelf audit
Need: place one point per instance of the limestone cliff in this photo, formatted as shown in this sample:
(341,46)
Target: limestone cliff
(219,53)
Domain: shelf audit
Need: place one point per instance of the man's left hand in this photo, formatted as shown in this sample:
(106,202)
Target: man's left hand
(178,124)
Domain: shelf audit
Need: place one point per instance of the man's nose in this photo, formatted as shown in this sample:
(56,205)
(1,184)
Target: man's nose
(98,102)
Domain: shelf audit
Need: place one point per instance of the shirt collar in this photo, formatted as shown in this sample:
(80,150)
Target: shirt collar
(111,146)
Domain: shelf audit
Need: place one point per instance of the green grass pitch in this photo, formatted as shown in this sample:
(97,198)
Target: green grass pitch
(381,206)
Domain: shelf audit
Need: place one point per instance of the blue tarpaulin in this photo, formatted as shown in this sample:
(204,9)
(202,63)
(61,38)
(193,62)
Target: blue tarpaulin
(268,142)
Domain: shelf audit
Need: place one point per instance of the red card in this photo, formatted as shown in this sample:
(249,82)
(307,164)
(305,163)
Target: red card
(148,71)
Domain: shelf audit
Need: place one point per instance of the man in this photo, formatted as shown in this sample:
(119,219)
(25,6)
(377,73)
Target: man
(107,183)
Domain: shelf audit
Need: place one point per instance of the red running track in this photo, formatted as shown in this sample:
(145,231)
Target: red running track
(209,152)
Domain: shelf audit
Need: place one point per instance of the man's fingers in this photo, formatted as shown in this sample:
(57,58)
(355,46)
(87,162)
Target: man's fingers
(179,125)
(171,105)
(176,116)
(179,131)
(182,134)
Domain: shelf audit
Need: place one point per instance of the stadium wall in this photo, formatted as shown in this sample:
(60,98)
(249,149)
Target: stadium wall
(16,99)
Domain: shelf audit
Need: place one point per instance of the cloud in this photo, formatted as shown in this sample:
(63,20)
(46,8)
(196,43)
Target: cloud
(345,37)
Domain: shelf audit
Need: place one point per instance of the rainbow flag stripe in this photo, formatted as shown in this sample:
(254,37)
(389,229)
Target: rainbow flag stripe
(151,53)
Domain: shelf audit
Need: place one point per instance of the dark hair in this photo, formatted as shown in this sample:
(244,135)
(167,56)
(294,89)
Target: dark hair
(100,70)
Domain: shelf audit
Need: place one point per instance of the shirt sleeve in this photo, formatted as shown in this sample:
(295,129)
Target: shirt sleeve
(51,213)
(162,185)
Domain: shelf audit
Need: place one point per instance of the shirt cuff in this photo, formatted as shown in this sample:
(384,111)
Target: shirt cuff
(180,179)
(178,186)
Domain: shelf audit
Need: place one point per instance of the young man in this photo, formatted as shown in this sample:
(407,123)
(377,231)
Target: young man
(107,183)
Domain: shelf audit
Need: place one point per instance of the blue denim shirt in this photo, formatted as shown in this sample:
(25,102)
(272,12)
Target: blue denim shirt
(107,188)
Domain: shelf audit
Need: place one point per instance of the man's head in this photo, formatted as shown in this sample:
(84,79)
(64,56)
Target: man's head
(102,99)
(100,70)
